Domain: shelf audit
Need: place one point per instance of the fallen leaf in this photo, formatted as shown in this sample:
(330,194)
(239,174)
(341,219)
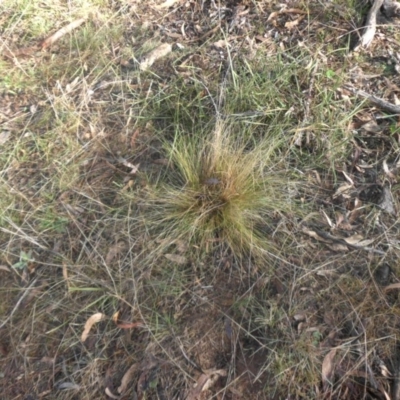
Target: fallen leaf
(299,317)
(205,382)
(330,223)
(386,169)
(272,15)
(60,33)
(127,378)
(342,221)
(291,24)
(4,268)
(315,235)
(162,161)
(287,11)
(109,393)
(342,190)
(89,323)
(392,286)
(167,4)
(351,182)
(125,325)
(176,258)
(372,127)
(68,386)
(115,317)
(354,239)
(214,375)
(327,368)
(221,44)
(134,168)
(153,56)
(338,247)
(365,243)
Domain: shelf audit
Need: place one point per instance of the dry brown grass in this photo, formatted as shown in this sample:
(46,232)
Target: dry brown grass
(197,261)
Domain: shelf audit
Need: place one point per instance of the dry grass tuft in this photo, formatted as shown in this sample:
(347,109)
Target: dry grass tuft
(219,188)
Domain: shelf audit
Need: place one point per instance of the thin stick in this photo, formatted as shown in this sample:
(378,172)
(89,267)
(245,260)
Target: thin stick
(383,104)
(370,26)
(61,32)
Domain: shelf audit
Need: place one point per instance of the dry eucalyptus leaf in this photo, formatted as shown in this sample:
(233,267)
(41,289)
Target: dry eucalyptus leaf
(181,260)
(166,4)
(372,127)
(205,382)
(68,386)
(127,378)
(354,239)
(387,171)
(328,220)
(338,247)
(221,44)
(392,286)
(89,323)
(115,317)
(327,367)
(110,394)
(366,242)
(315,235)
(343,190)
(272,15)
(213,377)
(153,56)
(351,182)
(126,325)
(285,11)
(291,24)
(134,168)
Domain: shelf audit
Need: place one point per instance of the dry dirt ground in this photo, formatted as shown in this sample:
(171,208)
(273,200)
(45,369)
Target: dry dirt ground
(86,313)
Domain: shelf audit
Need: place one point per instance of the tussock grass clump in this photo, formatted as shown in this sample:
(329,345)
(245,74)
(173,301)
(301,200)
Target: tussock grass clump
(220,188)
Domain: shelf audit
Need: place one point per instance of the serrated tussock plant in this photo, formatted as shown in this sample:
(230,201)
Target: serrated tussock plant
(220,188)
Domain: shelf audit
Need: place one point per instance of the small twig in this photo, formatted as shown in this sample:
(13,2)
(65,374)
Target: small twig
(26,291)
(61,32)
(383,104)
(370,26)
(334,239)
